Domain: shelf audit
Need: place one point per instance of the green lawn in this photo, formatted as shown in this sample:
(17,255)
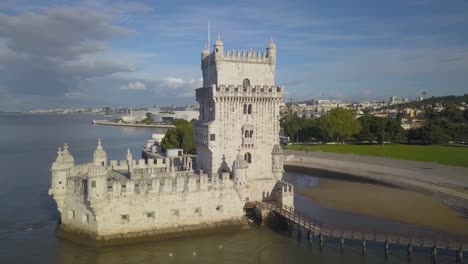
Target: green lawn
(457,156)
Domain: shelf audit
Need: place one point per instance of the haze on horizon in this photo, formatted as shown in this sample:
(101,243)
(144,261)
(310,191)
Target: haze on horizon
(113,53)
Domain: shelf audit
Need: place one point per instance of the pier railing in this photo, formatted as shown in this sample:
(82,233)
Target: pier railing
(314,227)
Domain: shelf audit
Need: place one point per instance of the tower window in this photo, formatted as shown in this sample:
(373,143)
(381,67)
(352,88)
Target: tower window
(216,49)
(125,218)
(93,183)
(212,137)
(245,109)
(246,83)
(249,109)
(248,157)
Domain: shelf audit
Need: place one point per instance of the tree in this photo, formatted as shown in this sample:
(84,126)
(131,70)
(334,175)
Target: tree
(340,124)
(434,134)
(453,114)
(180,136)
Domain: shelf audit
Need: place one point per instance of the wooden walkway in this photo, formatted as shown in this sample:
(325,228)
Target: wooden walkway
(314,227)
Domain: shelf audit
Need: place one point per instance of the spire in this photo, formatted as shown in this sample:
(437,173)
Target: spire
(129,154)
(219,41)
(59,154)
(65,148)
(99,145)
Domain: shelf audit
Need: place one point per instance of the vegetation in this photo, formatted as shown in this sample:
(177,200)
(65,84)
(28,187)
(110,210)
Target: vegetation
(338,124)
(450,155)
(181,136)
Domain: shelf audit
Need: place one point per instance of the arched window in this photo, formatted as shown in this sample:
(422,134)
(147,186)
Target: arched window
(249,109)
(246,134)
(248,157)
(245,109)
(251,134)
(246,83)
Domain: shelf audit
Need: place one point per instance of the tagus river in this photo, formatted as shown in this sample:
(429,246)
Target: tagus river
(28,216)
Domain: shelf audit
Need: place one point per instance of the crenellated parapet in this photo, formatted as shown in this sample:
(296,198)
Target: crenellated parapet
(284,193)
(239,91)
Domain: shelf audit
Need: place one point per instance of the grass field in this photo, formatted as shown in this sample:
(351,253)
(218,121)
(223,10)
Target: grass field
(457,156)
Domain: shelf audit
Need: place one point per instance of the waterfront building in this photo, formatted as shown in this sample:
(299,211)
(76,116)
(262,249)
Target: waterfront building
(239,160)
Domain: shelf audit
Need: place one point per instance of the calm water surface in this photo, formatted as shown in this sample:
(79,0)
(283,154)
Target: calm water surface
(28,216)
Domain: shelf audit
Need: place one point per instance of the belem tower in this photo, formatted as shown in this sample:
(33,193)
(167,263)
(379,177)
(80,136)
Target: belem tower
(238,160)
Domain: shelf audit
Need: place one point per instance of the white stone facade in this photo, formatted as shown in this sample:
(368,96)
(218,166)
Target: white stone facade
(238,160)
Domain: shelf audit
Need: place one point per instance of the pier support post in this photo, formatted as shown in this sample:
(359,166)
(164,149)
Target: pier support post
(434,251)
(308,235)
(459,256)
(363,246)
(321,241)
(386,248)
(342,244)
(409,249)
(298,232)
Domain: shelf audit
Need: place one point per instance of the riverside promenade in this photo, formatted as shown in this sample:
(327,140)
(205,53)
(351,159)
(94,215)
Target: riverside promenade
(448,184)
(109,123)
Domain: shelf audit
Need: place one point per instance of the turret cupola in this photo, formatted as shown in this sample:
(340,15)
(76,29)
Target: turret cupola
(239,170)
(59,163)
(240,162)
(277,161)
(219,47)
(67,157)
(100,156)
(271,51)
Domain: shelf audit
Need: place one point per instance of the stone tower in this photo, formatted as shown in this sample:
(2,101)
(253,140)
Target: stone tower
(239,112)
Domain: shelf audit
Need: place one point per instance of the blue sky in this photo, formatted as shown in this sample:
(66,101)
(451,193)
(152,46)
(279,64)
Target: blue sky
(143,53)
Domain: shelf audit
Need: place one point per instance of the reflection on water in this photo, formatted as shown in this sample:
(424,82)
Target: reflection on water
(28,216)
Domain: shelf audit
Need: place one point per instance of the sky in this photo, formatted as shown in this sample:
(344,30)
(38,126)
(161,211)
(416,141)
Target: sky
(60,53)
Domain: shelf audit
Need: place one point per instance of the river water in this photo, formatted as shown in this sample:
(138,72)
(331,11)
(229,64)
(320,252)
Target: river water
(28,216)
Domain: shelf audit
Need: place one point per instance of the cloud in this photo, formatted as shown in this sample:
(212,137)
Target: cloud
(173,82)
(135,86)
(49,52)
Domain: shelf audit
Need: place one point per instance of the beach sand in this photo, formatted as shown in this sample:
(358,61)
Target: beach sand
(396,204)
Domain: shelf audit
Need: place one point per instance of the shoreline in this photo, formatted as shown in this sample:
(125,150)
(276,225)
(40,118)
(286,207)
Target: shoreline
(107,123)
(389,203)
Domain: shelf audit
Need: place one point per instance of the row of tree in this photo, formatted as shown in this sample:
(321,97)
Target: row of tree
(341,124)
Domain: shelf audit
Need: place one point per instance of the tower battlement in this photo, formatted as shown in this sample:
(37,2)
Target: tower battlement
(240,91)
(246,56)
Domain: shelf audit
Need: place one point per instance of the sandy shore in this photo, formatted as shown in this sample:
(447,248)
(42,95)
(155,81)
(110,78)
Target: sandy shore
(396,204)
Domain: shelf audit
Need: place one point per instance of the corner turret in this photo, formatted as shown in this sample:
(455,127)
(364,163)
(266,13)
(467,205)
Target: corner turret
(67,157)
(271,51)
(277,161)
(239,170)
(100,156)
(219,47)
(97,179)
(60,170)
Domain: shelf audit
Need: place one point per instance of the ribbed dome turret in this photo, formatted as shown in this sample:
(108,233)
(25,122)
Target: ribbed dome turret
(97,170)
(66,156)
(59,163)
(240,162)
(277,149)
(218,41)
(271,44)
(99,153)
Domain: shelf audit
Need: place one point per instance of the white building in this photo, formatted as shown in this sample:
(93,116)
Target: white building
(239,160)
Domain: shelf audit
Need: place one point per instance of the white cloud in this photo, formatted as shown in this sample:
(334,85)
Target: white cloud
(174,82)
(135,86)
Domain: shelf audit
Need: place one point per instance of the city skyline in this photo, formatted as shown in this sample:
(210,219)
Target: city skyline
(100,53)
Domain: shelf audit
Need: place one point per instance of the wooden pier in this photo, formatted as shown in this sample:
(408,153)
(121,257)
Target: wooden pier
(313,227)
